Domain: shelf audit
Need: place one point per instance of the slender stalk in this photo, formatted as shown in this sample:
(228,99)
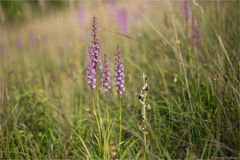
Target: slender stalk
(107,109)
(178,51)
(100,120)
(120,122)
(106,139)
(145,126)
(142,98)
(145,145)
(97,121)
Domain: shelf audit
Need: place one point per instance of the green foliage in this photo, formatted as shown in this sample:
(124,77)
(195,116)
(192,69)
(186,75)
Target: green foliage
(18,11)
(13,10)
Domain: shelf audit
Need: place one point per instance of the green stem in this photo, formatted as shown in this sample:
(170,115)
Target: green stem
(106,148)
(100,120)
(145,145)
(97,121)
(145,126)
(120,122)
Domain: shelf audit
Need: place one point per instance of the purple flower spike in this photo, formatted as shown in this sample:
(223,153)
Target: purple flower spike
(95,47)
(186,10)
(91,75)
(112,7)
(33,39)
(93,56)
(119,72)
(19,43)
(106,80)
(195,32)
(81,15)
(112,3)
(123,21)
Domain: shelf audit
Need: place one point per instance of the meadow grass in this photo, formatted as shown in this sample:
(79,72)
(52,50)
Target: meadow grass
(49,112)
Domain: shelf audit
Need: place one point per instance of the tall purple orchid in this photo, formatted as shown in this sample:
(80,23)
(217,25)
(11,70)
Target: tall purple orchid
(119,72)
(81,15)
(33,39)
(93,56)
(19,43)
(186,14)
(195,32)
(106,80)
(186,10)
(112,3)
(112,8)
(122,21)
(91,72)
(95,46)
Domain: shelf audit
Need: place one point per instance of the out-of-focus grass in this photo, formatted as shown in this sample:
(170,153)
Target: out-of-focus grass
(46,109)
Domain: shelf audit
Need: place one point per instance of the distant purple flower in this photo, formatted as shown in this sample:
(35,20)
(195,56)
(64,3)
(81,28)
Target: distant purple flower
(195,32)
(119,72)
(93,56)
(186,10)
(106,80)
(122,21)
(19,43)
(32,39)
(81,15)
(112,7)
(141,9)
(112,3)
